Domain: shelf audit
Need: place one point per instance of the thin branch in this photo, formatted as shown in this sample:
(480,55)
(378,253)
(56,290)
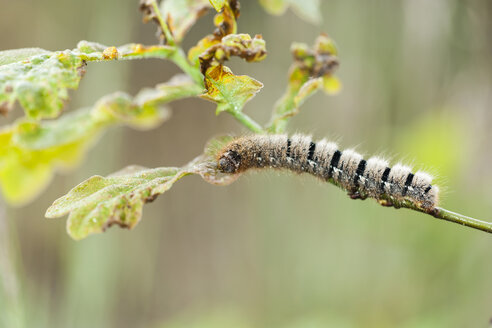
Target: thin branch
(179,58)
(165,29)
(247,121)
(444,214)
(441,213)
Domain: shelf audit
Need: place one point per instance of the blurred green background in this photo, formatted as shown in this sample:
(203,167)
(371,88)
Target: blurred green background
(272,250)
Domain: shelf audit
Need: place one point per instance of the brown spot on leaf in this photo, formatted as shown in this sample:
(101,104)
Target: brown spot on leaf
(241,45)
(112,221)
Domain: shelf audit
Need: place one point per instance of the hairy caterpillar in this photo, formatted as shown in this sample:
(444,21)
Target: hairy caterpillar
(372,178)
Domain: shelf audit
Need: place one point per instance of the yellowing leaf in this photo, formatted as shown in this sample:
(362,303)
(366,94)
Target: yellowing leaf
(200,48)
(31,151)
(306,9)
(180,15)
(331,84)
(229,91)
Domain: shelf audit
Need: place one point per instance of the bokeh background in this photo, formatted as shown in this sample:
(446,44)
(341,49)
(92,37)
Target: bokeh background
(272,250)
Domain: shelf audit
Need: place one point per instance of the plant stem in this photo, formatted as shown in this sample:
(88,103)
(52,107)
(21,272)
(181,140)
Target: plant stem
(447,215)
(436,212)
(247,121)
(169,37)
(179,58)
(444,214)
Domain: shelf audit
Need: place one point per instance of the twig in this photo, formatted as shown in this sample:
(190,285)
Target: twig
(167,33)
(247,121)
(443,214)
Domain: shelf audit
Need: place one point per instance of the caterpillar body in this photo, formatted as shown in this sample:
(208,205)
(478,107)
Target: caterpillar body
(361,178)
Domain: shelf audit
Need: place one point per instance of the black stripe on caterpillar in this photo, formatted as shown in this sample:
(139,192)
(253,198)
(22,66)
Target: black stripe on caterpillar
(372,178)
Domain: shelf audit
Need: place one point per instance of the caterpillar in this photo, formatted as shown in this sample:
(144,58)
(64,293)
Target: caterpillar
(359,177)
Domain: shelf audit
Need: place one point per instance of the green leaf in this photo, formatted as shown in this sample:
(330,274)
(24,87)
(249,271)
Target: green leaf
(100,202)
(40,83)
(218,4)
(312,70)
(229,91)
(31,151)
(181,15)
(39,80)
(16,55)
(306,9)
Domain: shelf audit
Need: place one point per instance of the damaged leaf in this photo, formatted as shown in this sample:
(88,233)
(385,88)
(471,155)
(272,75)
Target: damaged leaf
(225,23)
(100,202)
(31,151)
(239,45)
(229,91)
(39,80)
(312,70)
(40,83)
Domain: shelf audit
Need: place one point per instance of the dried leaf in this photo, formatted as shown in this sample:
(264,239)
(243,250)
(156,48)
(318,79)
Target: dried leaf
(239,45)
(225,23)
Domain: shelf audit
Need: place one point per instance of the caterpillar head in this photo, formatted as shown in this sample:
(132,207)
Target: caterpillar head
(229,162)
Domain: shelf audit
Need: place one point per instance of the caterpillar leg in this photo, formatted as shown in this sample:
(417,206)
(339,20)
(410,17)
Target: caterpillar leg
(355,194)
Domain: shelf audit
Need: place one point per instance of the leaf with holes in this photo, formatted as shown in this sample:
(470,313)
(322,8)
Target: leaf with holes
(230,92)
